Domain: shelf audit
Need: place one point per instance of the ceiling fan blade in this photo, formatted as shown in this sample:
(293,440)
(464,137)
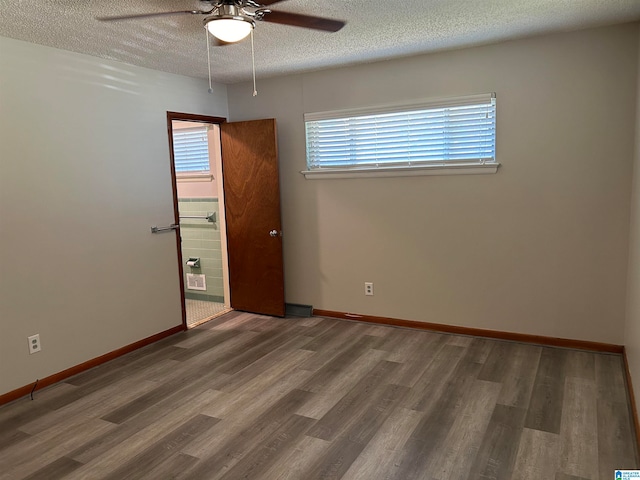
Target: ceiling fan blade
(304,21)
(147,15)
(269,2)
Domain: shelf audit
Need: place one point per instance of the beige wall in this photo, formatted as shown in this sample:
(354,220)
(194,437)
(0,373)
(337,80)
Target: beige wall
(632,330)
(538,248)
(84,173)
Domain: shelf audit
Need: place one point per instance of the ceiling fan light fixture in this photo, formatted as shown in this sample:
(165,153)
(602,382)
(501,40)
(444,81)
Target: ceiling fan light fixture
(229,29)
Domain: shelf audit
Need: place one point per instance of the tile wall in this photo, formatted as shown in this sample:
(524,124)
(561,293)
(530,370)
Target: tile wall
(201,238)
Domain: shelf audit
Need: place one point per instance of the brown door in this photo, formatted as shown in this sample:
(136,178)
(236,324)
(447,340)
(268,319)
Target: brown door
(252,207)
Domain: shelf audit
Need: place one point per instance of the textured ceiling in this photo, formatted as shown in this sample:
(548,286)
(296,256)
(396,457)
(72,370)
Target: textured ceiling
(375,30)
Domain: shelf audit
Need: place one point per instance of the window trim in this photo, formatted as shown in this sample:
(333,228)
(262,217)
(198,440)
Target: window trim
(436,168)
(403,171)
(194,177)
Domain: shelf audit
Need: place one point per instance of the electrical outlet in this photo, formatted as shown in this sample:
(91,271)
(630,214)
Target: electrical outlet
(368,288)
(34,343)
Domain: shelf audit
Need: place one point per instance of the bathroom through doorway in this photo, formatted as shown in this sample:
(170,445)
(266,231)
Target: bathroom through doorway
(200,203)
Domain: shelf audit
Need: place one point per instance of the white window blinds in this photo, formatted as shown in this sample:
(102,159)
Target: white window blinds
(459,131)
(191,149)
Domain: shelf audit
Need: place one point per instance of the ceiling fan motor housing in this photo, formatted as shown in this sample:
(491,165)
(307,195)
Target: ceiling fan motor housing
(230,23)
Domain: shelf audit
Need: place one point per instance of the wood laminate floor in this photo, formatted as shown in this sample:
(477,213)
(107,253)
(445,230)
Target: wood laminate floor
(252,397)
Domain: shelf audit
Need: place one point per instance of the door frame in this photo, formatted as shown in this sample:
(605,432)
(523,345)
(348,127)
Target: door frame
(185,117)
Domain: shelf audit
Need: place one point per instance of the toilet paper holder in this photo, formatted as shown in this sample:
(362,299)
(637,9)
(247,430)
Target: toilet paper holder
(193,262)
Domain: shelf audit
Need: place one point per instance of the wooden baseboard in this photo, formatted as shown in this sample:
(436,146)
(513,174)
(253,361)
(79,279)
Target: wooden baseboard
(478,332)
(632,399)
(57,377)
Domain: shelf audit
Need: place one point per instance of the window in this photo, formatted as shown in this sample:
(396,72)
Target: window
(456,135)
(191,150)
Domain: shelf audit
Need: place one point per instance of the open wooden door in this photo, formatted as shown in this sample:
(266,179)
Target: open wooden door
(252,207)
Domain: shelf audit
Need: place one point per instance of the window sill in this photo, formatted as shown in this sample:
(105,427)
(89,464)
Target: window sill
(487,168)
(194,177)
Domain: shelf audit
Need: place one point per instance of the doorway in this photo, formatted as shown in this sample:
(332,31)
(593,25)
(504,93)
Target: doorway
(247,214)
(196,159)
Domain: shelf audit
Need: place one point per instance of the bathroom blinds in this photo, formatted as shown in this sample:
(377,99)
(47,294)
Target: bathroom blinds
(191,149)
(445,132)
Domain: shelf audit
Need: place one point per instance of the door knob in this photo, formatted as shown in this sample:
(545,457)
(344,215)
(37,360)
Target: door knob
(273,233)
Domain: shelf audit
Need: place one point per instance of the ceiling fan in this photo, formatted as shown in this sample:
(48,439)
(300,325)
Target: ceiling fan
(230,21)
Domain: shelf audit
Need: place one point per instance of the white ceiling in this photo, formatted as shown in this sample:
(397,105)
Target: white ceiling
(375,30)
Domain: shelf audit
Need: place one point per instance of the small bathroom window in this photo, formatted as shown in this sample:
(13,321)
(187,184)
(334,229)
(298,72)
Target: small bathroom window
(191,150)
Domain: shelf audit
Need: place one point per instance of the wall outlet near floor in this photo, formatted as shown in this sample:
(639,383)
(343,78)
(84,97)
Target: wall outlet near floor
(368,288)
(34,343)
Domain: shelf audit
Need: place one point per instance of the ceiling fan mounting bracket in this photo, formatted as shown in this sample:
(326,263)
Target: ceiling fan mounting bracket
(237,8)
(236,3)
(260,13)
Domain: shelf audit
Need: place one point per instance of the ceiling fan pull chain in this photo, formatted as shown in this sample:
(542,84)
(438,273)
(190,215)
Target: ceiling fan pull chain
(253,65)
(206,34)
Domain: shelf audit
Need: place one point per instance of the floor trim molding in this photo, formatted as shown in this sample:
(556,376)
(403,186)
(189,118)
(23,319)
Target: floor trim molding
(478,332)
(632,399)
(94,362)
